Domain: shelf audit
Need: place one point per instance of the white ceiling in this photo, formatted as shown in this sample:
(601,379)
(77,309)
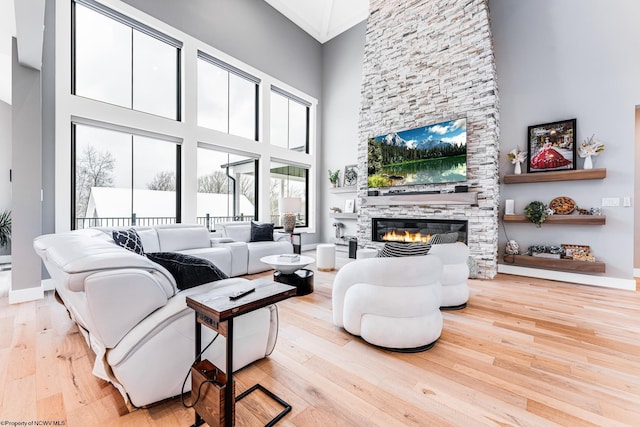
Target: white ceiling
(322,19)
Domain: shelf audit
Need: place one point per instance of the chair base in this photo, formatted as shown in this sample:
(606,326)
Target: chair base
(454,307)
(409,350)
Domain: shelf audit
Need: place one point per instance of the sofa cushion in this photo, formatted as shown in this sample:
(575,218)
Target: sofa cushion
(128,239)
(398,249)
(261,232)
(178,237)
(189,271)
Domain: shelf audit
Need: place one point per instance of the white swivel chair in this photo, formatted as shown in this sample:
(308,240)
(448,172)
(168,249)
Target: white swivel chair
(455,272)
(390,302)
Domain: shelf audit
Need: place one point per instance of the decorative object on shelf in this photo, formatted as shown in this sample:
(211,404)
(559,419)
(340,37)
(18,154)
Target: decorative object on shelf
(590,147)
(582,211)
(595,211)
(509,207)
(335,209)
(552,146)
(334,177)
(536,212)
(339,227)
(289,209)
(546,251)
(517,156)
(350,175)
(562,205)
(512,248)
(349,206)
(577,252)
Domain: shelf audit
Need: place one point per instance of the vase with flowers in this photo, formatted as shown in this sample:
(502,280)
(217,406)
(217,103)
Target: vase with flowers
(590,147)
(517,157)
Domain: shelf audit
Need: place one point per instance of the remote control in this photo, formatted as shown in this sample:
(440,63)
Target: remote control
(240,294)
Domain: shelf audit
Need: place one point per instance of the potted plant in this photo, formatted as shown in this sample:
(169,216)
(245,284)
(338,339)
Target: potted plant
(536,212)
(334,176)
(5,228)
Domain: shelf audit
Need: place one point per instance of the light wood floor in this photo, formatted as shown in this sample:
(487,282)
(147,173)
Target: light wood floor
(525,352)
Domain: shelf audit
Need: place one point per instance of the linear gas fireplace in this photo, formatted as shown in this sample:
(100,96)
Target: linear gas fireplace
(415,230)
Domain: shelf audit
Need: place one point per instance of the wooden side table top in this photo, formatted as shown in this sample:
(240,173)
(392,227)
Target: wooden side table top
(221,308)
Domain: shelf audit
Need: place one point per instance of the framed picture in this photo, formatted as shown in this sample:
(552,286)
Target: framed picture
(573,251)
(349,206)
(552,146)
(350,175)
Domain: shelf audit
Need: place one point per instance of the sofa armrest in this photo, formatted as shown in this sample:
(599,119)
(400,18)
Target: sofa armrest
(119,299)
(219,240)
(279,236)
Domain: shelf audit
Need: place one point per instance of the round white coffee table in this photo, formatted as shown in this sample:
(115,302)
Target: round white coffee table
(287,267)
(292,272)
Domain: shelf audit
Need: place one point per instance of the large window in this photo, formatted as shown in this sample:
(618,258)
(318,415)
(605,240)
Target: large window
(288,181)
(226,187)
(227,98)
(123,179)
(120,61)
(289,121)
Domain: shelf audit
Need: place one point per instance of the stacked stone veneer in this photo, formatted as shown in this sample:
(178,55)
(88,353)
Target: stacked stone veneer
(428,61)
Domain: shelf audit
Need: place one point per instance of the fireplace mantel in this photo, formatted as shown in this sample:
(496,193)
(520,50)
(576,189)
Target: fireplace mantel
(470,199)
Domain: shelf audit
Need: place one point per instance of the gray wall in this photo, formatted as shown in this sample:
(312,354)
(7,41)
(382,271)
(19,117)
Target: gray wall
(27,177)
(572,59)
(342,61)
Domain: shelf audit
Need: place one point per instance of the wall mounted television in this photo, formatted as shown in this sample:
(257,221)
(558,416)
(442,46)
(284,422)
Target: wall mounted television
(430,154)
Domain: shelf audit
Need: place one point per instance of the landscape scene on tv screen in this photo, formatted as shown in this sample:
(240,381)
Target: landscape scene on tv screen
(426,155)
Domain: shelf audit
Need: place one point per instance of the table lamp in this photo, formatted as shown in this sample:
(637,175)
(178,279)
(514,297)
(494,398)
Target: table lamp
(289,208)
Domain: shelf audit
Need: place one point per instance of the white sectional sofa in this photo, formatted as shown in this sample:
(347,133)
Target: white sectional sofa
(238,234)
(134,317)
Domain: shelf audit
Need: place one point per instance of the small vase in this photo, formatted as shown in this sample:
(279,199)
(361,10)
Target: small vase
(517,169)
(588,163)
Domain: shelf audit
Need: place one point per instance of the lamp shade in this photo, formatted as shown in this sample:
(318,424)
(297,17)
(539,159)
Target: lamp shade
(290,204)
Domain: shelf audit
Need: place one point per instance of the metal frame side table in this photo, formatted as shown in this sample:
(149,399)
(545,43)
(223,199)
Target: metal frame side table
(217,312)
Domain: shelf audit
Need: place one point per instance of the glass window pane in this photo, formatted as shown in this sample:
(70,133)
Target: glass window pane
(102,177)
(297,126)
(288,181)
(154,76)
(279,120)
(102,58)
(213,92)
(242,107)
(216,197)
(154,181)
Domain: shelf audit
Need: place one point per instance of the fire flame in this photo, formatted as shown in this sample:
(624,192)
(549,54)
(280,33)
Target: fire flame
(405,237)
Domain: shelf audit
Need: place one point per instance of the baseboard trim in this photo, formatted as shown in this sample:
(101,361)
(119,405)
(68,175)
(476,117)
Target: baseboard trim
(26,295)
(583,279)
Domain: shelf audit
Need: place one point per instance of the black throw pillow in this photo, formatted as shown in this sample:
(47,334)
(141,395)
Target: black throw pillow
(128,239)
(261,232)
(188,270)
(399,249)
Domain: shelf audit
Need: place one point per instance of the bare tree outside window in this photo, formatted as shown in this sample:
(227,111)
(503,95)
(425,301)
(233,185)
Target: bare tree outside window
(163,181)
(94,168)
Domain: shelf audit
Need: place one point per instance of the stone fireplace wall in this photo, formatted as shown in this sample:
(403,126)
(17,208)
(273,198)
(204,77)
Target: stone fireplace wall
(425,62)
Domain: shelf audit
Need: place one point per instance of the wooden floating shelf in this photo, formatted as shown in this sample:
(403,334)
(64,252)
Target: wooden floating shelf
(422,199)
(570,175)
(343,215)
(561,219)
(555,264)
